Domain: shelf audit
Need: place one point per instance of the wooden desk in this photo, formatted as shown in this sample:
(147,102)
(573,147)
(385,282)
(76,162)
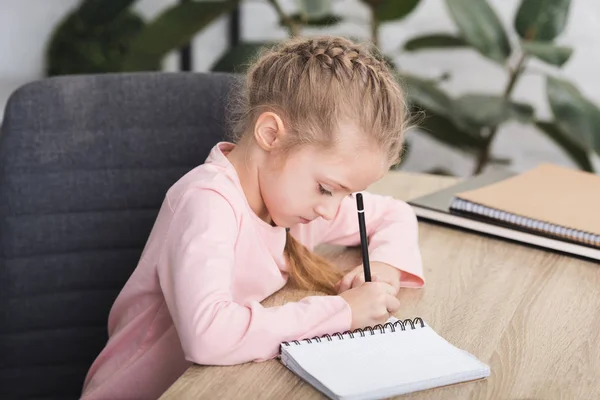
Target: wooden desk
(532,315)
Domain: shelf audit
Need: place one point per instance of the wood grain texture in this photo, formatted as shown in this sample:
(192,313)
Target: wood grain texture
(532,315)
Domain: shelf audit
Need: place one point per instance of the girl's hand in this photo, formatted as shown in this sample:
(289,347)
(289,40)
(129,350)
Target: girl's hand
(380,272)
(371,303)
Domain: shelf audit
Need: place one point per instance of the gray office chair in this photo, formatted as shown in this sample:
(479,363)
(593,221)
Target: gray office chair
(84,164)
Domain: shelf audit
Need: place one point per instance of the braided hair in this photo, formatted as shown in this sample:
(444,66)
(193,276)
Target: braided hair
(314,84)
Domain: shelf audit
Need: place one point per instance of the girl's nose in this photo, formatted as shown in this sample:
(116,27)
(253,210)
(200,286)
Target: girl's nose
(328,210)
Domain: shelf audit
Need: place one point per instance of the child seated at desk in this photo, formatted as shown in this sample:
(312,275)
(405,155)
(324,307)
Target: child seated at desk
(321,119)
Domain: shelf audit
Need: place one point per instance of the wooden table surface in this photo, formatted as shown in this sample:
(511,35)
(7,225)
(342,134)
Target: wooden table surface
(532,315)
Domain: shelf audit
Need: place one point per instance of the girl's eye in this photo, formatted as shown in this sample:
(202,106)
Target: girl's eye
(324,191)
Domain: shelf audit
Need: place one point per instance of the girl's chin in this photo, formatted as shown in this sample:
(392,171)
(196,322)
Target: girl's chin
(289,222)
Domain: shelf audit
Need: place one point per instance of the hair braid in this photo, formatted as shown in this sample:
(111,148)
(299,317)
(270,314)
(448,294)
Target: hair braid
(314,84)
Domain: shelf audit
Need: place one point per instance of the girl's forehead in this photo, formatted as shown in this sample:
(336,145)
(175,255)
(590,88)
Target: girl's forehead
(354,170)
(354,146)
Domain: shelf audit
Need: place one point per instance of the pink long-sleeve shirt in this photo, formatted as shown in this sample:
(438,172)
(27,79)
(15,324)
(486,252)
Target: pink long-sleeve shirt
(208,263)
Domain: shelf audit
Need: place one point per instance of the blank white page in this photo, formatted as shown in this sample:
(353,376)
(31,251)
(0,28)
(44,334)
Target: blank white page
(383,365)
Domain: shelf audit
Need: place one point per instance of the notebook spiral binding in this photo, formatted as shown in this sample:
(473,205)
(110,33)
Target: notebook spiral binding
(530,223)
(402,324)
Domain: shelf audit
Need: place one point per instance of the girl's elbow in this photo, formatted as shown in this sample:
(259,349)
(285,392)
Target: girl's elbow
(220,353)
(209,352)
(209,347)
(217,348)
(208,356)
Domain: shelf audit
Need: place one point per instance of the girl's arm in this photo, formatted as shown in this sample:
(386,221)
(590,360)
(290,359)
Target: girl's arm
(391,228)
(196,275)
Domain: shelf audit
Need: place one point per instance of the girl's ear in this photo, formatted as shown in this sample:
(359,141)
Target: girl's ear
(269,131)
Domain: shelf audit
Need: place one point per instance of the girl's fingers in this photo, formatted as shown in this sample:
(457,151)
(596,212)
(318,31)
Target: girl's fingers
(346,281)
(392,304)
(358,280)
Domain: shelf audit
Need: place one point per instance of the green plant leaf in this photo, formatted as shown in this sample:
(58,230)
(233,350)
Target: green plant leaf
(488,111)
(172,29)
(96,12)
(434,41)
(571,147)
(77,47)
(314,8)
(444,130)
(237,58)
(555,55)
(426,94)
(541,20)
(575,115)
(441,121)
(390,10)
(481,28)
(325,21)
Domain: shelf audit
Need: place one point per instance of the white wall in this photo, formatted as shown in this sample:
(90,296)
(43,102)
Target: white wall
(25,26)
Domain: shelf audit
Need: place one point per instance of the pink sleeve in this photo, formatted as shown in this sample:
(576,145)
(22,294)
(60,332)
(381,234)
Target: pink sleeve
(392,231)
(196,273)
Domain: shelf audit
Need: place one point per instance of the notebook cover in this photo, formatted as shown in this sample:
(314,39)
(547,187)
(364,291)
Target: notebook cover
(440,200)
(548,193)
(435,207)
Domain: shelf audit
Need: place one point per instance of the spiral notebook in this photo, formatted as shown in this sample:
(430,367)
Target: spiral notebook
(435,208)
(398,357)
(549,200)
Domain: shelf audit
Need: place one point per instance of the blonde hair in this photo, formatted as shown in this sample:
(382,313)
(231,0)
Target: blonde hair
(313,84)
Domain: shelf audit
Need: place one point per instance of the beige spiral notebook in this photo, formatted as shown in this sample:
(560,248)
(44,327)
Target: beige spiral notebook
(548,200)
(387,360)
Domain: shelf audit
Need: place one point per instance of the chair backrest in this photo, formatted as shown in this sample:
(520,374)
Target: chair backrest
(85,162)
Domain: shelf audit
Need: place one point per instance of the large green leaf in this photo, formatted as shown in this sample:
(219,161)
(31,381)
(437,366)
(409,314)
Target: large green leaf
(79,47)
(575,115)
(555,55)
(426,94)
(486,110)
(314,8)
(541,20)
(480,27)
(444,130)
(172,29)
(434,41)
(325,21)
(573,149)
(239,57)
(98,12)
(441,121)
(390,10)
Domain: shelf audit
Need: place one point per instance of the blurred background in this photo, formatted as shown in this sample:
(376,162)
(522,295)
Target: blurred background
(495,83)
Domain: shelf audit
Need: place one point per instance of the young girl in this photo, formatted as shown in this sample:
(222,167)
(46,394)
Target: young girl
(323,118)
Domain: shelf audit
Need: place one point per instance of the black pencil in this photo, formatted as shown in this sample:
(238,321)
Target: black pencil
(363,237)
